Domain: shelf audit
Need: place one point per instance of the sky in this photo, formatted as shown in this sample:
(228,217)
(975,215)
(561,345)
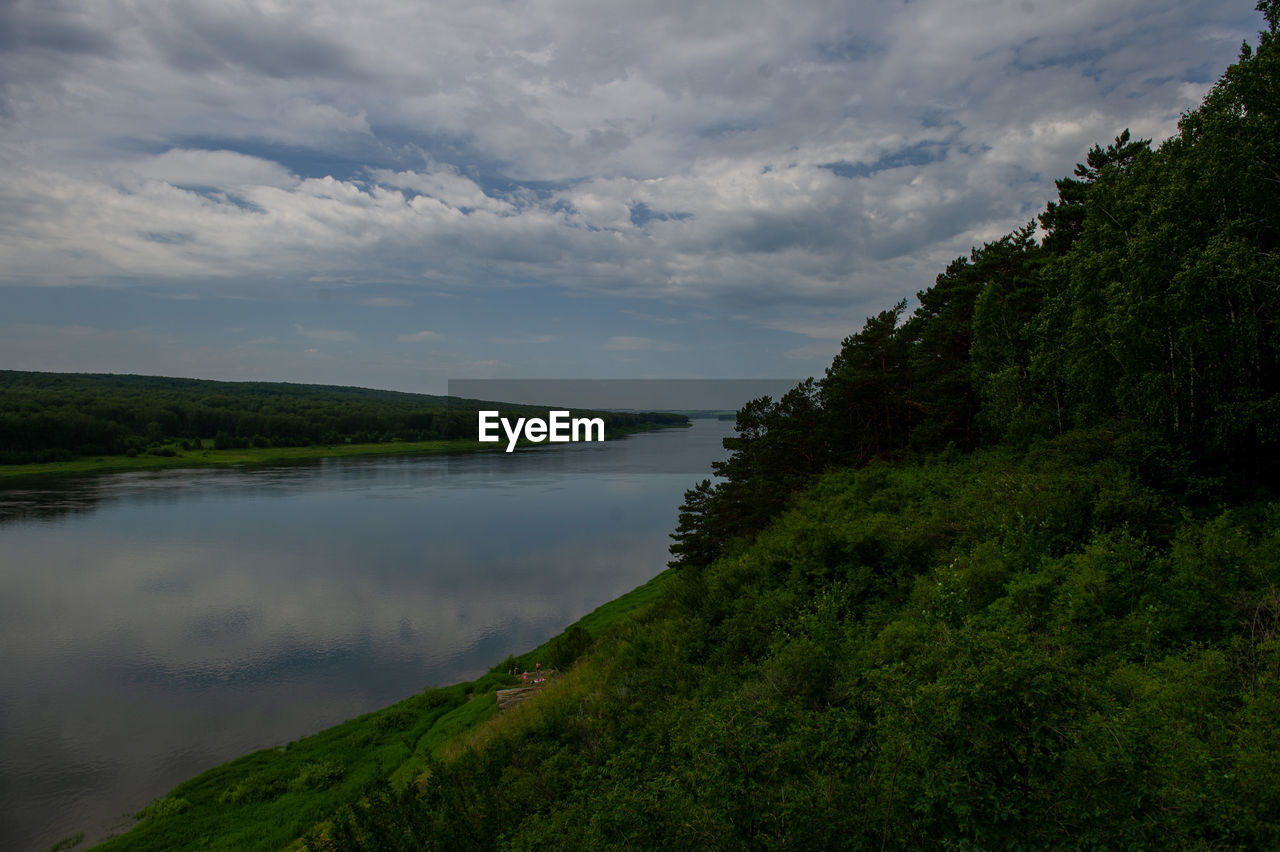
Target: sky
(394,194)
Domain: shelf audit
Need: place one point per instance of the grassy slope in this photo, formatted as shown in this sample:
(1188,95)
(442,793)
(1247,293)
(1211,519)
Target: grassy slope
(266,800)
(992,651)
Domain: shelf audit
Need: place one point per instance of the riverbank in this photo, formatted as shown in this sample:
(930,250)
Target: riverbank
(208,457)
(271,798)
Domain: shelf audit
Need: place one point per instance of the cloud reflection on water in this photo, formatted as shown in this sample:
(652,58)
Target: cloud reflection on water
(175,620)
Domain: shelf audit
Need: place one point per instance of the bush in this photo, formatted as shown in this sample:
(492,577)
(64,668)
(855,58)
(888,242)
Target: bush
(160,808)
(568,647)
(318,776)
(256,788)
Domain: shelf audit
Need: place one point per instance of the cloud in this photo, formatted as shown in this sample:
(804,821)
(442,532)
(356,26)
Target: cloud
(654,318)
(445,185)
(327,334)
(526,339)
(792,167)
(822,352)
(221,169)
(384,302)
(624,343)
(253,39)
(420,337)
(42,346)
(53,29)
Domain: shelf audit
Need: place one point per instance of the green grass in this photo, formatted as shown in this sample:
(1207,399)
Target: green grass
(615,610)
(268,799)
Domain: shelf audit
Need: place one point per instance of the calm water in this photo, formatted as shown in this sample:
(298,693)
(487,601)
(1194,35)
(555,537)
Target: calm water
(155,624)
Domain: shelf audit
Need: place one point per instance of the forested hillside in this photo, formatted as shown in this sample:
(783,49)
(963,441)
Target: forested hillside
(996,651)
(57,416)
(1007,576)
(1146,303)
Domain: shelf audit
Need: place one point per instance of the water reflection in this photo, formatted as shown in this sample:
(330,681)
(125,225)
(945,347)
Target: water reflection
(155,624)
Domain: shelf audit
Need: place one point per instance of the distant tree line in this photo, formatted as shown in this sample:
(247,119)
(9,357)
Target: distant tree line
(56,416)
(1148,304)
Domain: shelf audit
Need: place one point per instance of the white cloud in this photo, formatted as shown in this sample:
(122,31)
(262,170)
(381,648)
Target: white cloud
(444,185)
(788,165)
(420,337)
(525,339)
(221,169)
(327,334)
(625,343)
(384,302)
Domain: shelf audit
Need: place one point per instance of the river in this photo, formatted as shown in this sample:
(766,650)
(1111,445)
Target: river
(153,625)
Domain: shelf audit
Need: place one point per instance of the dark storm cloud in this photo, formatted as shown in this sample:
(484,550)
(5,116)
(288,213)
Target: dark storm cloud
(197,38)
(50,26)
(37,40)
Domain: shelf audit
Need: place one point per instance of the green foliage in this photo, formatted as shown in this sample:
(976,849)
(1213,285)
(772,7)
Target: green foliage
(696,539)
(47,417)
(1165,307)
(568,647)
(164,807)
(988,651)
(319,775)
(1150,307)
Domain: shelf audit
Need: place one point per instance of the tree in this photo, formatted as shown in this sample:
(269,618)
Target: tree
(697,541)
(866,391)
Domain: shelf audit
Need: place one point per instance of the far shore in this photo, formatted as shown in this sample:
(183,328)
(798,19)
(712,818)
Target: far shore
(209,457)
(247,456)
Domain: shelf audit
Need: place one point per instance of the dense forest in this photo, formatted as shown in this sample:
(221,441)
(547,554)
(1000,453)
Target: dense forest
(1148,307)
(1007,576)
(48,417)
